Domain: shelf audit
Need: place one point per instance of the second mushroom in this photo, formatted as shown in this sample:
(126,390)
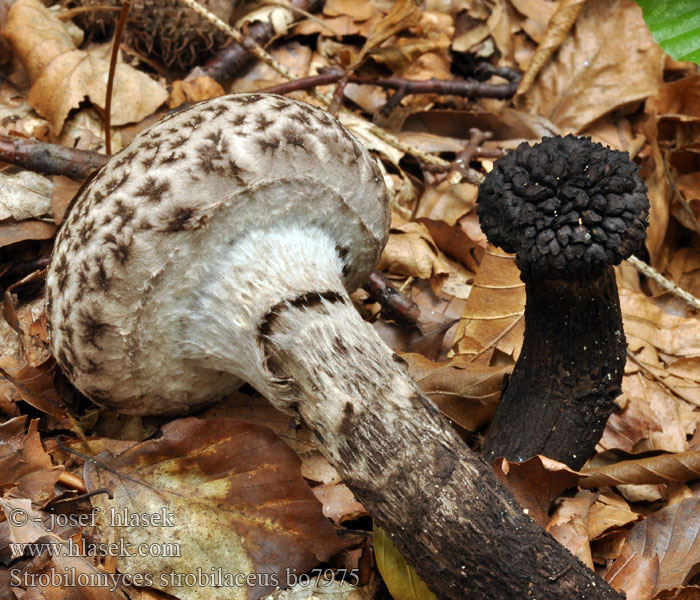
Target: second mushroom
(569,209)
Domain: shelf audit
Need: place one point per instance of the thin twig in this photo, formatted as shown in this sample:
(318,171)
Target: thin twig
(249,44)
(50,159)
(126,7)
(663,282)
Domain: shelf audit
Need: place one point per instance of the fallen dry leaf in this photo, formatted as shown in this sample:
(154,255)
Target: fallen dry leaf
(63,76)
(535,483)
(569,526)
(339,503)
(671,534)
(634,574)
(493,317)
(68,573)
(466,394)
(25,195)
(665,468)
(609,59)
(21,457)
(412,252)
(229,501)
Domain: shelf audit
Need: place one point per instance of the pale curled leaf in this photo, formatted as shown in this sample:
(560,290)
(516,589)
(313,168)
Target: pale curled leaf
(665,468)
(25,195)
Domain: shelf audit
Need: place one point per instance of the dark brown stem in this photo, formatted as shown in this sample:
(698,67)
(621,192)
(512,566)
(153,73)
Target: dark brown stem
(563,386)
(442,505)
(50,159)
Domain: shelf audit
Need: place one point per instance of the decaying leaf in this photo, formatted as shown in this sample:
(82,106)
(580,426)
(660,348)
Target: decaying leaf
(63,76)
(467,394)
(227,502)
(609,59)
(493,317)
(535,483)
(671,534)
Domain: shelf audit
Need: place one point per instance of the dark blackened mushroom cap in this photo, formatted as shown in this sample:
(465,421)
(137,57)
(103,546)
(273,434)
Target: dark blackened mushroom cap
(567,207)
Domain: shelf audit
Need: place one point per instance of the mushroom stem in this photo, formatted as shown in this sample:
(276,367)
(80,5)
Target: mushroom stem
(441,504)
(317,359)
(568,374)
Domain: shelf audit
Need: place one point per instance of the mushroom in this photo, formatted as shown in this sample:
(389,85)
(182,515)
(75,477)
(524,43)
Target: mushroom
(569,209)
(217,248)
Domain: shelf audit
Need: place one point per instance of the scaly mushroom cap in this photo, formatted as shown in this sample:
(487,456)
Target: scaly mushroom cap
(567,207)
(145,234)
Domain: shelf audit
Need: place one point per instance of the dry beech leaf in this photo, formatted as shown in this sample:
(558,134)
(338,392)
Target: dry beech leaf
(569,526)
(25,195)
(62,76)
(626,427)
(671,534)
(22,456)
(67,572)
(403,14)
(557,30)
(535,483)
(467,394)
(35,387)
(233,501)
(666,468)
(412,252)
(668,332)
(493,317)
(634,574)
(687,592)
(609,59)
(609,511)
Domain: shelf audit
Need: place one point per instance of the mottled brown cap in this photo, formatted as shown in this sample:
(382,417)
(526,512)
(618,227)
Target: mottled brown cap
(145,233)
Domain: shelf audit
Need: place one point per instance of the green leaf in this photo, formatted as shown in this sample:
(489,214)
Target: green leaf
(675,25)
(401,580)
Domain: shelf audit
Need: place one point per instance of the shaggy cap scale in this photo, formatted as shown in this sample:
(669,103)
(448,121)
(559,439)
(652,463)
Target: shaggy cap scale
(567,207)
